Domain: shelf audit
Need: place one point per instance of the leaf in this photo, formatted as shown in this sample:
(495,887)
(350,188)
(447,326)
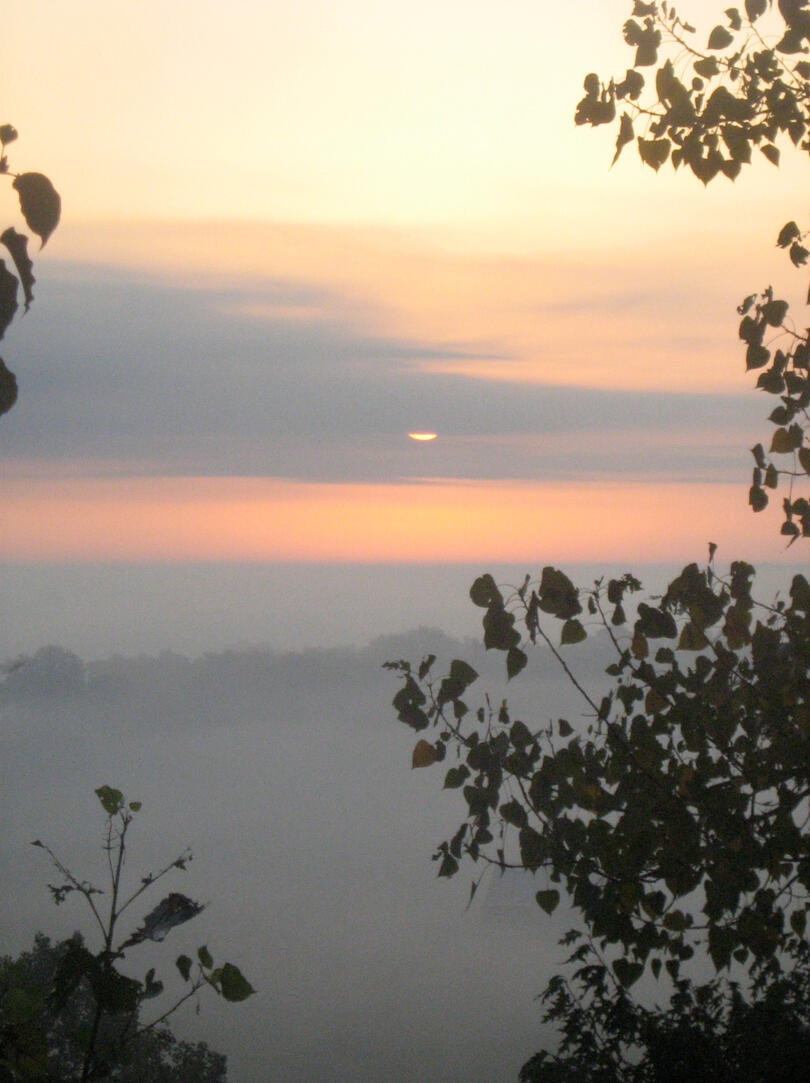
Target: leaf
(17,244)
(787,234)
(448,867)
(757,498)
(774,312)
(514,813)
(804,459)
(798,922)
(424,754)
(135,806)
(557,594)
(782,442)
(734,18)
(707,67)
(548,900)
(183,964)
(573,632)
(8,389)
(235,986)
(771,153)
(653,152)
(456,777)
(424,667)
(627,972)
(755,8)
(151,988)
(625,136)
(692,639)
(175,909)
(8,297)
(111,800)
(515,661)
(483,591)
(8,133)
(720,38)
(565,728)
(756,356)
(39,202)
(205,957)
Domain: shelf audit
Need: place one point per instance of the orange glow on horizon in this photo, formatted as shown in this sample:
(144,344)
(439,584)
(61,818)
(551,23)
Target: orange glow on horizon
(261,520)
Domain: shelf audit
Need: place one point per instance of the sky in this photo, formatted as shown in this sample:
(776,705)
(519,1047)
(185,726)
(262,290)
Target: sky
(292,236)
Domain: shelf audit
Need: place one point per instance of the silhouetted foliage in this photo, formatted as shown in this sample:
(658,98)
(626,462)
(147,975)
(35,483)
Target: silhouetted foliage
(40,207)
(89,998)
(708,108)
(41,1039)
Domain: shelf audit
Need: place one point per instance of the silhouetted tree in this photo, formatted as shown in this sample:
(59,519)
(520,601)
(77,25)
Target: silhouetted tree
(42,1040)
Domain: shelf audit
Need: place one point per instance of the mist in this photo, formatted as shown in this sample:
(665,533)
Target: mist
(289,776)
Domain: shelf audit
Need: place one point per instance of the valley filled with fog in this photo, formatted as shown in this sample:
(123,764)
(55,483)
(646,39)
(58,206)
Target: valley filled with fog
(290,777)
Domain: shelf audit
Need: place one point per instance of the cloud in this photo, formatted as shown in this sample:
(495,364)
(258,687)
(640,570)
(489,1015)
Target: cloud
(127,374)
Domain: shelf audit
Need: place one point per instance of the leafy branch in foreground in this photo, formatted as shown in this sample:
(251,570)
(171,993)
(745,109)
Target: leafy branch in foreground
(708,108)
(37,1042)
(114,1024)
(41,208)
(678,817)
(672,813)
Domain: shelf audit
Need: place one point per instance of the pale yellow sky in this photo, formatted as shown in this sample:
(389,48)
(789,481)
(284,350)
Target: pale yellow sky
(456,112)
(419,165)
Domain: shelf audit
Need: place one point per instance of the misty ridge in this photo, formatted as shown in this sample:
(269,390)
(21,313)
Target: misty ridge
(170,690)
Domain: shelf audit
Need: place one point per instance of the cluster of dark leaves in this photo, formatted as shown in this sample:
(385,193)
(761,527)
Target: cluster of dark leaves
(782,354)
(48,998)
(728,97)
(735,94)
(674,814)
(108,1031)
(708,1033)
(40,207)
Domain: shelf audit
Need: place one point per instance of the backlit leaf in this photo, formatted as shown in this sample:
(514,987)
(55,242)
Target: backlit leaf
(720,38)
(17,244)
(111,800)
(39,202)
(628,973)
(573,632)
(8,389)
(624,137)
(771,153)
(234,985)
(548,900)
(653,152)
(424,754)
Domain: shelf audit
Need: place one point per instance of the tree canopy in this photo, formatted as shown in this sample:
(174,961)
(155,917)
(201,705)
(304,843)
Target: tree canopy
(69,1013)
(43,1039)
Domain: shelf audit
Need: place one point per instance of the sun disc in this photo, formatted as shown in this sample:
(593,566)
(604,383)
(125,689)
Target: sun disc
(422,436)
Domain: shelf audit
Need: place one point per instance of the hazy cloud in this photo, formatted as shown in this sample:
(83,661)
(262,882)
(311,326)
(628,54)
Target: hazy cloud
(128,374)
